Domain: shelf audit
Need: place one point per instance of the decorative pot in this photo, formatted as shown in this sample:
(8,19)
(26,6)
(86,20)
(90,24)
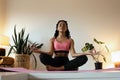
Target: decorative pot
(98,65)
(22,60)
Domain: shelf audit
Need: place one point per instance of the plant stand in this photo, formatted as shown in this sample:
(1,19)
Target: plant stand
(22,60)
(98,65)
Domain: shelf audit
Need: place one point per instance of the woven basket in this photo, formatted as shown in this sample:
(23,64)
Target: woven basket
(22,60)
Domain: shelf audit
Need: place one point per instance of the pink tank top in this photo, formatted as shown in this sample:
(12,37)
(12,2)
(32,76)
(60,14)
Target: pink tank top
(64,46)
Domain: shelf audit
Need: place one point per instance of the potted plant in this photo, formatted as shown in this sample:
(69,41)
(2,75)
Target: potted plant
(22,48)
(30,48)
(20,42)
(89,46)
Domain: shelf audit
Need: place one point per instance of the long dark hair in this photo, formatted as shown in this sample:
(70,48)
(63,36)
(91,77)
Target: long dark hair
(67,33)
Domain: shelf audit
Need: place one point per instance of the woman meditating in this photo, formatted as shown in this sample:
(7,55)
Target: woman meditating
(56,59)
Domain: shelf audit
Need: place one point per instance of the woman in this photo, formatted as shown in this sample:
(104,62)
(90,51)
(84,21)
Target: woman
(60,46)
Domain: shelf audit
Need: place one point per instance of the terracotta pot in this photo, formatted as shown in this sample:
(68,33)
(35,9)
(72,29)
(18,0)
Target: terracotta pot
(98,65)
(22,60)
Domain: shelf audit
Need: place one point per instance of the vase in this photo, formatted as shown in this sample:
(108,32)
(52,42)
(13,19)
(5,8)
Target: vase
(98,65)
(22,60)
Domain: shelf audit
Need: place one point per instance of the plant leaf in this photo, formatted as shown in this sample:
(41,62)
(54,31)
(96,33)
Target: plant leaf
(15,34)
(10,51)
(98,42)
(35,61)
(103,57)
(40,45)
(107,48)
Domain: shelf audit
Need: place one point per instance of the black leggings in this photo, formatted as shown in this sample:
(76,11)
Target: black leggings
(63,61)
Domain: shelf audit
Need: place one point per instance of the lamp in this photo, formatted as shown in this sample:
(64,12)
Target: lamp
(116,59)
(4,41)
(4,60)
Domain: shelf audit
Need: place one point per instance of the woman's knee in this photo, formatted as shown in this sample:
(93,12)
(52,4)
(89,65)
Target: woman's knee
(45,59)
(83,58)
(41,57)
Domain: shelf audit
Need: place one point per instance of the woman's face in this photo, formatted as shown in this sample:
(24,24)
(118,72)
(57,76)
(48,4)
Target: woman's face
(62,27)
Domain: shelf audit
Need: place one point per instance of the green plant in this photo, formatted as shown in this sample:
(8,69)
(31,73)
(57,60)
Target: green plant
(89,46)
(20,42)
(22,45)
(30,48)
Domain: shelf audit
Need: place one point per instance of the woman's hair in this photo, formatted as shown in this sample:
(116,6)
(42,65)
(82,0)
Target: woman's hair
(67,33)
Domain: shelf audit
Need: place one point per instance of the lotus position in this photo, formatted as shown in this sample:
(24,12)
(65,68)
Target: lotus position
(56,59)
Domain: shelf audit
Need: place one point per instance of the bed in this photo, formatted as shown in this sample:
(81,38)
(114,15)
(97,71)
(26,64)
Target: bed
(24,74)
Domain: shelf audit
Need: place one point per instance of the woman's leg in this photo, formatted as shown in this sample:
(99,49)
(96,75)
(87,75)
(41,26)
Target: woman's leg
(45,59)
(71,65)
(50,63)
(75,63)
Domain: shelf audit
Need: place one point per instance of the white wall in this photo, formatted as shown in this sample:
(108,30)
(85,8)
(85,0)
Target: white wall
(2,15)
(86,18)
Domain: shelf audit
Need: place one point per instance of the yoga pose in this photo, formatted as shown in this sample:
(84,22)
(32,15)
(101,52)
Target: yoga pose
(56,59)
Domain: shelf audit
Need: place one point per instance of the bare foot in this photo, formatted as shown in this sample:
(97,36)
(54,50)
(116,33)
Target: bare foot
(52,68)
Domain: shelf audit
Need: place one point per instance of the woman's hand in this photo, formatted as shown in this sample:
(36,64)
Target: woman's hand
(94,52)
(36,50)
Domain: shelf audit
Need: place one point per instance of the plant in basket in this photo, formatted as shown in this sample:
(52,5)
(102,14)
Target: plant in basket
(22,48)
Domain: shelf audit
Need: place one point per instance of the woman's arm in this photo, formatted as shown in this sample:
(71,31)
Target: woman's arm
(51,49)
(73,52)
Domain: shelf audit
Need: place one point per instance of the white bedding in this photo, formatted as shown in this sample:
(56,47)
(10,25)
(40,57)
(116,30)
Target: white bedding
(104,74)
